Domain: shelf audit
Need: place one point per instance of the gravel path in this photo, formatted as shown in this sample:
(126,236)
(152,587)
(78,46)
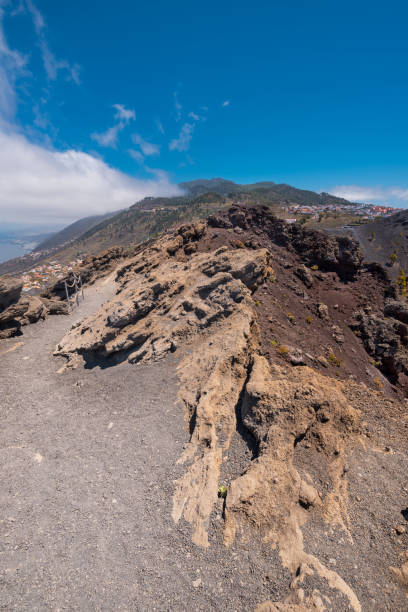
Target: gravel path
(88,465)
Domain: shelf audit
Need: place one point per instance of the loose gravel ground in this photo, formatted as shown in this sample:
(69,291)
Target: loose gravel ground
(89,459)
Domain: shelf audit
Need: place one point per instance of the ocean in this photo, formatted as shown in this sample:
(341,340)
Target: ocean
(8,250)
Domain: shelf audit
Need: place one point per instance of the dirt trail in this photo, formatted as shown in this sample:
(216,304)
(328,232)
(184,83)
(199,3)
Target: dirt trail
(88,469)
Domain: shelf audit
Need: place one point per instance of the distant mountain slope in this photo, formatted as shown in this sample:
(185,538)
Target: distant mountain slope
(216,185)
(267,191)
(73,231)
(382,238)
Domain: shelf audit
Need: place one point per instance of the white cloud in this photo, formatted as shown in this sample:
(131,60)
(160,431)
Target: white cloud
(194,116)
(226,103)
(52,65)
(46,186)
(148,148)
(359,193)
(124,114)
(400,193)
(182,142)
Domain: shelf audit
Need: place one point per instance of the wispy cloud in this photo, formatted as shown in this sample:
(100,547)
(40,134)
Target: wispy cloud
(52,64)
(148,148)
(136,155)
(194,116)
(226,103)
(182,142)
(12,67)
(159,126)
(109,138)
(178,107)
(124,114)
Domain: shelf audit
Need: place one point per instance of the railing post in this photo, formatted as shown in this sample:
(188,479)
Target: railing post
(76,290)
(67,294)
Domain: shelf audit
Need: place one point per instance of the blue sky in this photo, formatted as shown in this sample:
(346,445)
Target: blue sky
(102,103)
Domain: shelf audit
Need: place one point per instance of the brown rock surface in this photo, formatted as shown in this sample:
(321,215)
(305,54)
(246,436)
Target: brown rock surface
(10,291)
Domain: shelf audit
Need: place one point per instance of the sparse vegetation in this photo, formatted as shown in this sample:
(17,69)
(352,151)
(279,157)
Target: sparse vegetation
(378,383)
(274,343)
(291,318)
(315,267)
(333,360)
(283,350)
(402,283)
(239,244)
(309,319)
(393,257)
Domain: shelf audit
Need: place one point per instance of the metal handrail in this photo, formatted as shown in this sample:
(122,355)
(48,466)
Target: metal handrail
(77,285)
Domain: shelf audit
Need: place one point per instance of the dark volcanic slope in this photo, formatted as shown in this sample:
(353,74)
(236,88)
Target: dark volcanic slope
(383,237)
(307,314)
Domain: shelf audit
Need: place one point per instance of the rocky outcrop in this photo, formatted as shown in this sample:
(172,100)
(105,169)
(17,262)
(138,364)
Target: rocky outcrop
(336,253)
(384,338)
(397,310)
(10,291)
(28,309)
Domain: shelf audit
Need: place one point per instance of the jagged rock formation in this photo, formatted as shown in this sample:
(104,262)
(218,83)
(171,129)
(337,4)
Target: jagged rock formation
(162,303)
(340,254)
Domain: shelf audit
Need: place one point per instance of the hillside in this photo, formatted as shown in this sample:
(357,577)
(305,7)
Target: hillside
(71,232)
(234,395)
